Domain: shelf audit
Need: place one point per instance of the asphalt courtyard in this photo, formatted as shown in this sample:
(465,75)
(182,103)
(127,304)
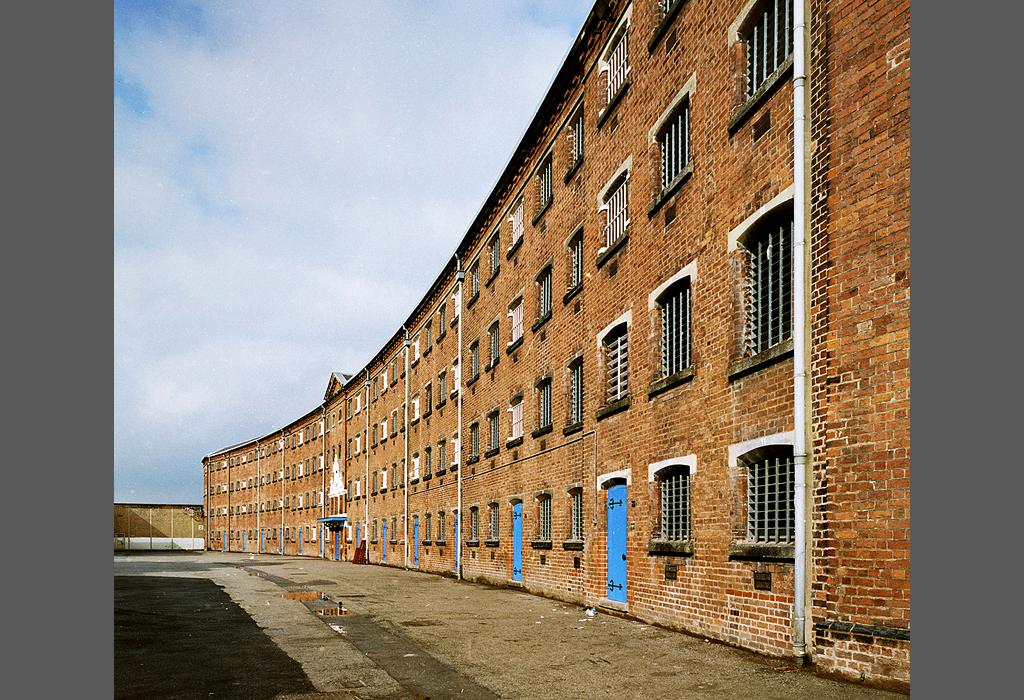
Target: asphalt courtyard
(250,626)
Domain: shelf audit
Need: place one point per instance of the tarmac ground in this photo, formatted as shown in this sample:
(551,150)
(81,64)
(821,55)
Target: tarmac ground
(210,624)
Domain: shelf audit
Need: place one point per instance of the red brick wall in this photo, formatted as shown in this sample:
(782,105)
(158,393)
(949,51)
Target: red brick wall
(860,392)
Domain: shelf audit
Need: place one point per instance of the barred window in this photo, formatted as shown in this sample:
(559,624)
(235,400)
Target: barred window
(373,532)
(616,349)
(577,135)
(441,534)
(441,454)
(674,141)
(544,403)
(474,280)
(442,386)
(577,514)
(416,466)
(576,391)
(770,516)
(544,293)
(474,440)
(426,526)
(427,461)
(617,66)
(768,40)
(494,521)
(515,312)
(495,252)
(517,418)
(675,503)
(494,429)
(442,318)
(617,210)
(576,261)
(474,523)
(516,221)
(428,399)
(544,183)
(495,336)
(394,529)
(770,282)
(544,532)
(474,359)
(675,328)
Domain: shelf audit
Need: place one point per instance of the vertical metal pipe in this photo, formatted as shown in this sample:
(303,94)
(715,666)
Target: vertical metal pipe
(459,277)
(366,462)
(801,302)
(405,495)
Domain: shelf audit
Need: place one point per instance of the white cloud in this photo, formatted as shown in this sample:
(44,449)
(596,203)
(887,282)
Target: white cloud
(300,176)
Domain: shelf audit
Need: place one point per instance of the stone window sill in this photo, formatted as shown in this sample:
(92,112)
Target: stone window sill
(540,432)
(668,192)
(745,110)
(540,213)
(473,460)
(540,322)
(472,543)
(493,276)
(603,115)
(572,428)
(491,452)
(763,359)
(571,294)
(513,248)
(572,170)
(612,408)
(491,543)
(540,544)
(612,250)
(573,545)
(761,551)
(666,383)
(658,547)
(514,442)
(514,345)
(472,300)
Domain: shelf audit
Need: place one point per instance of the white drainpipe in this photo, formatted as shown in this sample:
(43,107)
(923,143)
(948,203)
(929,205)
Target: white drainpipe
(323,480)
(259,497)
(460,275)
(366,462)
(405,512)
(280,539)
(799,329)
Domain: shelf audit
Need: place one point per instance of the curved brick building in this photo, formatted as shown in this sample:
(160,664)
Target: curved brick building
(595,398)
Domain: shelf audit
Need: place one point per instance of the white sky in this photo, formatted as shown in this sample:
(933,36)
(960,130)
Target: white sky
(289,179)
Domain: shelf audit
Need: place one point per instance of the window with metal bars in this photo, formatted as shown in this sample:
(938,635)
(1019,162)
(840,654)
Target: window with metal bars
(441,530)
(545,192)
(616,351)
(516,315)
(427,461)
(474,440)
(544,522)
(616,206)
(576,391)
(576,261)
(576,497)
(495,336)
(516,221)
(617,65)
(394,529)
(415,466)
(770,516)
(544,293)
(493,424)
(544,403)
(426,525)
(674,483)
(517,418)
(768,40)
(474,523)
(770,282)
(494,521)
(495,251)
(577,136)
(674,142)
(675,328)
(474,359)
(442,318)
(474,280)
(442,386)
(441,454)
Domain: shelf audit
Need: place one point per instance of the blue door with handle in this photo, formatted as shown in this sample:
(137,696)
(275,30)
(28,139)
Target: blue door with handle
(517,542)
(224,548)
(321,541)
(300,540)
(458,541)
(244,539)
(337,545)
(263,540)
(416,541)
(384,543)
(617,543)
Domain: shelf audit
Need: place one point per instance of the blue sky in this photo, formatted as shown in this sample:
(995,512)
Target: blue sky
(289,179)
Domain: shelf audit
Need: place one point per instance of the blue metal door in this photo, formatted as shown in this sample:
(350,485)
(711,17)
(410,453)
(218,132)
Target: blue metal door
(280,542)
(321,541)
(517,542)
(244,539)
(337,545)
(225,547)
(263,540)
(358,539)
(416,541)
(617,543)
(300,540)
(384,543)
